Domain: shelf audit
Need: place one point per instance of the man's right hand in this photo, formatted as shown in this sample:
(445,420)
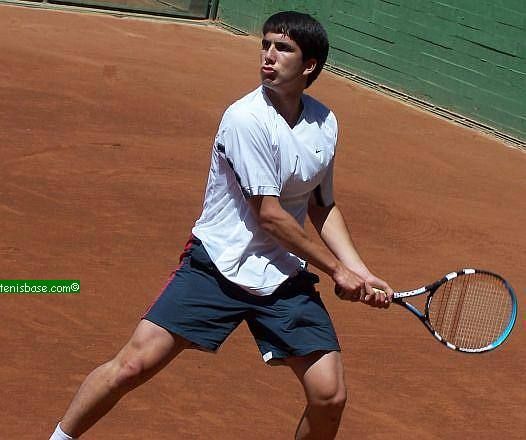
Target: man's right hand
(370,290)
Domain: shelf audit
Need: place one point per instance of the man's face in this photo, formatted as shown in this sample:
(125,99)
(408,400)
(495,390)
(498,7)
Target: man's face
(282,65)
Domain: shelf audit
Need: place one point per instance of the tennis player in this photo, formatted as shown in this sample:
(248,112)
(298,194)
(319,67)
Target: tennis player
(272,165)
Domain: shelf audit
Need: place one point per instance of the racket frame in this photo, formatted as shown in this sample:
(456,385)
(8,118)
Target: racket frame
(398,298)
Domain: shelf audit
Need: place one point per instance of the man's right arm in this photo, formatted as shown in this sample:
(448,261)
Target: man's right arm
(284,228)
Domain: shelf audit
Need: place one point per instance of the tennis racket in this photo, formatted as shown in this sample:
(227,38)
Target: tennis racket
(471,311)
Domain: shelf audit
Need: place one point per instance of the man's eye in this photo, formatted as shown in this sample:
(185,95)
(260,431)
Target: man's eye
(265,44)
(283,47)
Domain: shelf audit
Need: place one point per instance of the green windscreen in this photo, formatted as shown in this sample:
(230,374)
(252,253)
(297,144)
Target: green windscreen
(180,8)
(464,56)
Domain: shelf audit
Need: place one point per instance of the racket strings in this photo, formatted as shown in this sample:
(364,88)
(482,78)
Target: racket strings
(443,312)
(471,311)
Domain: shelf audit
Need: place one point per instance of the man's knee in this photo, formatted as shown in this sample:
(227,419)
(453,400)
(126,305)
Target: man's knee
(128,372)
(148,351)
(330,396)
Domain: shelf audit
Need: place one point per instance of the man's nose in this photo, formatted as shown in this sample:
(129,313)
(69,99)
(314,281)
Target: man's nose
(270,55)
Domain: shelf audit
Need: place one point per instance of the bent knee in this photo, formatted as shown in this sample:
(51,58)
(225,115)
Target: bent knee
(128,373)
(331,397)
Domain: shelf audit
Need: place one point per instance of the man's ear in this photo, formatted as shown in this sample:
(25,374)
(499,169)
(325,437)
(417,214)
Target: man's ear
(310,65)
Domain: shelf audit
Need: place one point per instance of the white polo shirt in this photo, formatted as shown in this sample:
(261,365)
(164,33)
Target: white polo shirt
(257,153)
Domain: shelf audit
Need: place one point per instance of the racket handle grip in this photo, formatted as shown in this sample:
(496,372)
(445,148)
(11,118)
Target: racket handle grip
(338,290)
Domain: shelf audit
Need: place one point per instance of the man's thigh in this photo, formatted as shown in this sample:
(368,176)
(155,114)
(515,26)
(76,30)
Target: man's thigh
(320,373)
(151,346)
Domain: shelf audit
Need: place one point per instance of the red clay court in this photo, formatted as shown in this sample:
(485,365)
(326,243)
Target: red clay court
(106,126)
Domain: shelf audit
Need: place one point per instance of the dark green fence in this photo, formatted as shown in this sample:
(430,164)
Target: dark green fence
(172,8)
(467,56)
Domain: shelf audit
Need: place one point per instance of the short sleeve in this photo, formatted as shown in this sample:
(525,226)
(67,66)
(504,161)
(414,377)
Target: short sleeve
(245,143)
(323,193)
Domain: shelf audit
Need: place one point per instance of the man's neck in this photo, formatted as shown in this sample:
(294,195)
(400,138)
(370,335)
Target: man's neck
(289,106)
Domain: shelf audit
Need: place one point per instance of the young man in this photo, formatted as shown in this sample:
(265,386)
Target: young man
(272,165)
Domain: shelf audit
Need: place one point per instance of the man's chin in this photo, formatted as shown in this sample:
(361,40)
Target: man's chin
(268,83)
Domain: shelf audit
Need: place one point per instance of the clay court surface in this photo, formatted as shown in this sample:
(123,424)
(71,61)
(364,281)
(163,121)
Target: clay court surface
(106,126)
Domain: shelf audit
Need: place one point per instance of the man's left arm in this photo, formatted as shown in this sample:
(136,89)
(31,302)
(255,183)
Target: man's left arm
(333,230)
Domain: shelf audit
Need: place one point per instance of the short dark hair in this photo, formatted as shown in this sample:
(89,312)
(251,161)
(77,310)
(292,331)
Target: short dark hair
(306,31)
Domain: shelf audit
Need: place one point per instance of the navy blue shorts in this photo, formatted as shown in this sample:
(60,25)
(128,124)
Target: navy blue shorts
(202,306)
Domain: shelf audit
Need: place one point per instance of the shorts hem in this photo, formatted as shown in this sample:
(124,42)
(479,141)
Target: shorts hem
(278,358)
(196,344)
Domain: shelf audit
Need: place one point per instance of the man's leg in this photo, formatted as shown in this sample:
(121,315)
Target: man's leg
(322,377)
(149,350)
